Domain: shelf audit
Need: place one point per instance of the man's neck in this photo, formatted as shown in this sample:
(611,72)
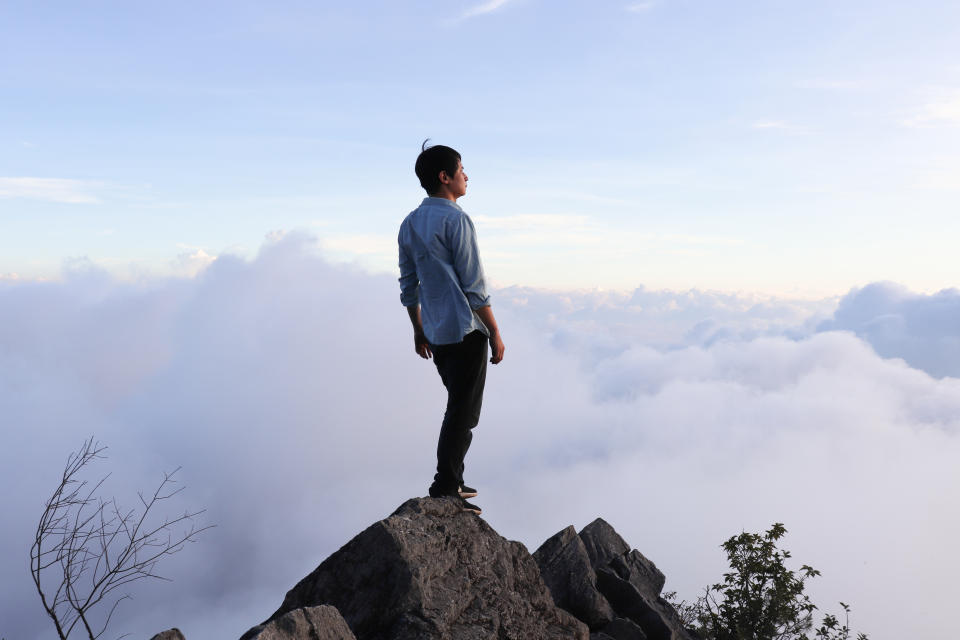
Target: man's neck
(444,193)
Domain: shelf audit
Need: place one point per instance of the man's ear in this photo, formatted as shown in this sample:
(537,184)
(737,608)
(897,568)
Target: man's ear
(444,178)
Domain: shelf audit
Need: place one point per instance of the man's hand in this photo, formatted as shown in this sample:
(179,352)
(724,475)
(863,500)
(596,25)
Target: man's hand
(496,348)
(421,345)
(496,343)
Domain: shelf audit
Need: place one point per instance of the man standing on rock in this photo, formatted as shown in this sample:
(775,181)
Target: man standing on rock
(443,288)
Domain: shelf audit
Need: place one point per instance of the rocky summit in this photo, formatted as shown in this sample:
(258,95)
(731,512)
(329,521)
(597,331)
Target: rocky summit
(430,571)
(614,589)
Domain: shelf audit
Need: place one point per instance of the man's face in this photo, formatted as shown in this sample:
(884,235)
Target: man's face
(457,183)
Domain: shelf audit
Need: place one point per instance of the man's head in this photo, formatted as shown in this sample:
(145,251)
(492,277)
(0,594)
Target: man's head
(440,171)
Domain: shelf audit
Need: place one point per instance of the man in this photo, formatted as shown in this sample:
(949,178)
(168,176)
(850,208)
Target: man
(443,288)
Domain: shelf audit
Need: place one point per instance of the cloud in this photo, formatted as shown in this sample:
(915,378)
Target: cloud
(487,7)
(922,329)
(50,189)
(287,389)
(640,7)
(191,262)
(942,111)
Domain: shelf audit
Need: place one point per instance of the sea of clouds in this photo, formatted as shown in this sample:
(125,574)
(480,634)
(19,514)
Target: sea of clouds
(287,390)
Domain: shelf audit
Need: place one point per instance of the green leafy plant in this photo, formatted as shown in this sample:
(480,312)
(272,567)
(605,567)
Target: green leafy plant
(760,598)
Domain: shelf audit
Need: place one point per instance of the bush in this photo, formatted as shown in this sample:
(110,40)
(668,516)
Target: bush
(760,598)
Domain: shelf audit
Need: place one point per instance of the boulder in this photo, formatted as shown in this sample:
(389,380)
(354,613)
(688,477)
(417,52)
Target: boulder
(432,571)
(602,543)
(620,629)
(631,583)
(607,549)
(628,602)
(309,623)
(567,572)
(169,634)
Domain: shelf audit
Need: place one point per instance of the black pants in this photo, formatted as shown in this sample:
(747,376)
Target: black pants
(463,369)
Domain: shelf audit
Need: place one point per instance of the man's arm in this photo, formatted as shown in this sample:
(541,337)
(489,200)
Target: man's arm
(496,343)
(410,298)
(420,343)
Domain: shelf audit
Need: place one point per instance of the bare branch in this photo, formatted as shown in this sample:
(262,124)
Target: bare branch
(88,549)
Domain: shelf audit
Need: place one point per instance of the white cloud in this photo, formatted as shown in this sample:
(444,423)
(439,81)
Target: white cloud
(50,189)
(924,330)
(288,389)
(190,263)
(941,111)
(640,7)
(487,7)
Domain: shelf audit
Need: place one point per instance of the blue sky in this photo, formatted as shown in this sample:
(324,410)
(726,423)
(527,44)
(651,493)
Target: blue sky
(779,147)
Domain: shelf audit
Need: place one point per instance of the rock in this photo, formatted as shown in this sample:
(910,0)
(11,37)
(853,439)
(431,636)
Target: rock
(602,543)
(310,623)
(567,572)
(630,603)
(169,634)
(606,548)
(431,571)
(636,569)
(620,629)
(631,583)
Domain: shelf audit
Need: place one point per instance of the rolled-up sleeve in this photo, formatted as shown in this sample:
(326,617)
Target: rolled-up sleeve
(409,282)
(466,261)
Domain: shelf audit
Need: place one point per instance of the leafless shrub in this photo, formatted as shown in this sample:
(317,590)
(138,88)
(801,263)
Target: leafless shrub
(87,549)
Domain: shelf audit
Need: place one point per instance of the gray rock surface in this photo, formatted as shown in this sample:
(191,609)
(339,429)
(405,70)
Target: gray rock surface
(630,603)
(431,571)
(567,572)
(169,634)
(620,629)
(602,543)
(631,583)
(310,623)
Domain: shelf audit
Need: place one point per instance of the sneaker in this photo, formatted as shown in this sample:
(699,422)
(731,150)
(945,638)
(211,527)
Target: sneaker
(467,492)
(472,508)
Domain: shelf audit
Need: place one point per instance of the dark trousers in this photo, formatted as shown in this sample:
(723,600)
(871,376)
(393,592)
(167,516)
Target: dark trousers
(463,369)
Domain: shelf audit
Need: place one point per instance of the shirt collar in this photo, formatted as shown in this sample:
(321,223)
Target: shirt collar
(430,200)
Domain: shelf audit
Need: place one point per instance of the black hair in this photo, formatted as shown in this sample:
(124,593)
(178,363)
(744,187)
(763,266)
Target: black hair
(433,160)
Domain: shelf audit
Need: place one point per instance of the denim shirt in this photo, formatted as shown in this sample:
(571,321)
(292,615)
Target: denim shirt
(440,269)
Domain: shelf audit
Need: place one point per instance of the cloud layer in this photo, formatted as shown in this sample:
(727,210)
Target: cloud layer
(288,390)
(922,329)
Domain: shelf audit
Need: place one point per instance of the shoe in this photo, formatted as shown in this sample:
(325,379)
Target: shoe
(435,492)
(472,508)
(467,492)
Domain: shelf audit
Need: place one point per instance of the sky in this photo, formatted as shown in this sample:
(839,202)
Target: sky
(719,240)
(784,147)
